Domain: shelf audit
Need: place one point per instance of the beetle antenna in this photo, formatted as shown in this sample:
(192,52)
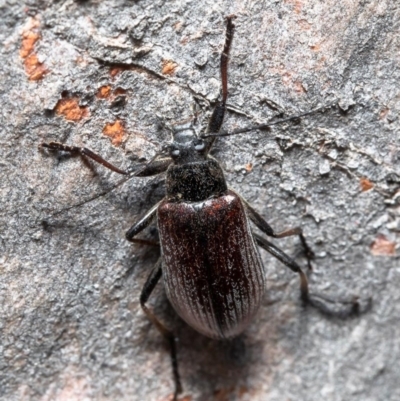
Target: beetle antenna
(163,124)
(97,196)
(225,57)
(218,114)
(132,172)
(269,124)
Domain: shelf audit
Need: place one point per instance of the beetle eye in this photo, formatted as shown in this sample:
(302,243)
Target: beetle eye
(199,146)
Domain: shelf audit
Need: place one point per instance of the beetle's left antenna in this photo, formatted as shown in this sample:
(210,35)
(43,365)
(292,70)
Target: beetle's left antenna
(217,117)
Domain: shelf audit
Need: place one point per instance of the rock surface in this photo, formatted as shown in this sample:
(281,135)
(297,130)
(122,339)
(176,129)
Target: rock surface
(103,74)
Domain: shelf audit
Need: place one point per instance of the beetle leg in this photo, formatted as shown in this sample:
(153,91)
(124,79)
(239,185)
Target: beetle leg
(75,150)
(155,166)
(141,224)
(260,222)
(148,288)
(317,301)
(289,262)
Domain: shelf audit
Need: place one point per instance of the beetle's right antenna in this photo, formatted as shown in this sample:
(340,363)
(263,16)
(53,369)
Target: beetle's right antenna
(217,117)
(269,124)
(225,58)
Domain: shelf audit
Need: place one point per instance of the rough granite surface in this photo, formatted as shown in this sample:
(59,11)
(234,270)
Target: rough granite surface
(103,74)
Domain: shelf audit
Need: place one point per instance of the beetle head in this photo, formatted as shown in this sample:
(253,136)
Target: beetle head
(186,146)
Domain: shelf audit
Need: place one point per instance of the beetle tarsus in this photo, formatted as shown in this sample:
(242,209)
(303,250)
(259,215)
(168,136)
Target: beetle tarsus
(327,306)
(336,308)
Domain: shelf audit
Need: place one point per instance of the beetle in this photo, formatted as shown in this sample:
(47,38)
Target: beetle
(210,263)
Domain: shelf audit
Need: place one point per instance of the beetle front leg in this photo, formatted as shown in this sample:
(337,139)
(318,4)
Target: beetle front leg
(75,150)
(319,302)
(148,288)
(140,225)
(260,222)
(155,166)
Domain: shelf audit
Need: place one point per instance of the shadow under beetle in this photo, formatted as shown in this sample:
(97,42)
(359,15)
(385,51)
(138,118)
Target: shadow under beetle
(210,263)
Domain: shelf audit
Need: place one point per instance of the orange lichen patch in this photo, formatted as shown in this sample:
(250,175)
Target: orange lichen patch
(248,167)
(114,71)
(33,67)
(382,246)
(29,39)
(69,108)
(168,67)
(383,113)
(104,92)
(115,131)
(366,184)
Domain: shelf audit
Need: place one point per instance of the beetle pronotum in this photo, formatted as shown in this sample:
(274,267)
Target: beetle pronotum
(210,263)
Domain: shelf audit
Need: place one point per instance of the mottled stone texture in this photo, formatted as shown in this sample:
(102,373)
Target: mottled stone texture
(103,74)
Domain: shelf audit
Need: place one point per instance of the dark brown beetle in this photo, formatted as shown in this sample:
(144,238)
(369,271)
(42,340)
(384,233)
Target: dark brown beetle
(210,263)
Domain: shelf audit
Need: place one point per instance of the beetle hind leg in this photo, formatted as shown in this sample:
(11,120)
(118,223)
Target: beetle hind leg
(308,252)
(148,288)
(261,223)
(327,306)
